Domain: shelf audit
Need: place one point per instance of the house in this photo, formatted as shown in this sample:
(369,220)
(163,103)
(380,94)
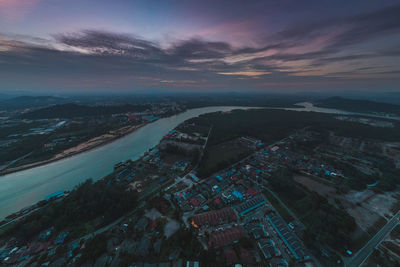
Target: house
(55,195)
(246,257)
(194,177)
(267,248)
(225,237)
(144,246)
(250,204)
(141,225)
(237,194)
(225,215)
(230,256)
(192,264)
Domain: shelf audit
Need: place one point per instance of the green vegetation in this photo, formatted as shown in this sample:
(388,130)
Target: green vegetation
(35,144)
(240,100)
(22,102)
(195,125)
(324,222)
(220,156)
(89,201)
(94,248)
(363,106)
(272,125)
(68,111)
(279,208)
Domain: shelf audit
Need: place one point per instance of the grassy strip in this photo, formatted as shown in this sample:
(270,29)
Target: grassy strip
(281,210)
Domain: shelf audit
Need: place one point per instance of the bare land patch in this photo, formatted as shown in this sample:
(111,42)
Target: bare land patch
(312,185)
(367,207)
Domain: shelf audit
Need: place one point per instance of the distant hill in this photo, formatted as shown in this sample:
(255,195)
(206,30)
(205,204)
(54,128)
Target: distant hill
(362,106)
(4,97)
(31,102)
(68,111)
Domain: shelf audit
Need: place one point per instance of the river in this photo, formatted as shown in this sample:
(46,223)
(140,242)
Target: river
(24,188)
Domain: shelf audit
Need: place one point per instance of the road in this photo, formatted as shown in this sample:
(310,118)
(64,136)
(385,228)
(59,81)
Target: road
(365,251)
(14,161)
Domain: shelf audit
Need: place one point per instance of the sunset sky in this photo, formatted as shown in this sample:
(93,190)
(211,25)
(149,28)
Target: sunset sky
(209,46)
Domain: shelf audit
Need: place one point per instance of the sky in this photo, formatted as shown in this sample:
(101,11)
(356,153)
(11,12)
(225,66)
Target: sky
(286,46)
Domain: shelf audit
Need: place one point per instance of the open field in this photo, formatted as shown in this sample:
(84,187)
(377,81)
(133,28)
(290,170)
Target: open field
(217,157)
(312,185)
(367,207)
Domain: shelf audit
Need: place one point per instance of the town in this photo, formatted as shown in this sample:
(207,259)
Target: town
(301,201)
(187,133)
(31,137)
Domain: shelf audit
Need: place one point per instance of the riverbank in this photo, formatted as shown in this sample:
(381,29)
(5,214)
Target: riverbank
(21,189)
(91,144)
(108,138)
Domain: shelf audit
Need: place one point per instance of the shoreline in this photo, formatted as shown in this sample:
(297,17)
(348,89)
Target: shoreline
(133,129)
(15,207)
(105,142)
(55,159)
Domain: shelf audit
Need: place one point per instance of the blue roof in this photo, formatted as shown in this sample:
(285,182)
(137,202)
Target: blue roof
(61,237)
(55,195)
(283,238)
(219,178)
(194,177)
(152,119)
(238,194)
(252,208)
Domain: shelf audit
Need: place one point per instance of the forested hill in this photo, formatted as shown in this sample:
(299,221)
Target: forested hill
(21,102)
(68,111)
(363,106)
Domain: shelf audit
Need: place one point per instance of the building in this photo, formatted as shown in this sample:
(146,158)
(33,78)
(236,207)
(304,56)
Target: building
(250,204)
(55,195)
(225,237)
(291,241)
(267,248)
(215,217)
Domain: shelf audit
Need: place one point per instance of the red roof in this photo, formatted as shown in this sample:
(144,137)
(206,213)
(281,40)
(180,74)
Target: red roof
(215,217)
(195,202)
(220,239)
(251,192)
(154,224)
(246,256)
(131,118)
(217,201)
(230,256)
(42,246)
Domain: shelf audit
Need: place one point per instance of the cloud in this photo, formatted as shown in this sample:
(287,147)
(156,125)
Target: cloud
(108,43)
(13,10)
(197,49)
(246,73)
(342,32)
(320,50)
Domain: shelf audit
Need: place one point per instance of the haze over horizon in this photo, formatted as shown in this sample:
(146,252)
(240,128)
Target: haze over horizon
(53,46)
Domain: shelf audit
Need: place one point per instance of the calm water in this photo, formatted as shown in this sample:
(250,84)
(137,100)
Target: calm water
(21,189)
(308,107)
